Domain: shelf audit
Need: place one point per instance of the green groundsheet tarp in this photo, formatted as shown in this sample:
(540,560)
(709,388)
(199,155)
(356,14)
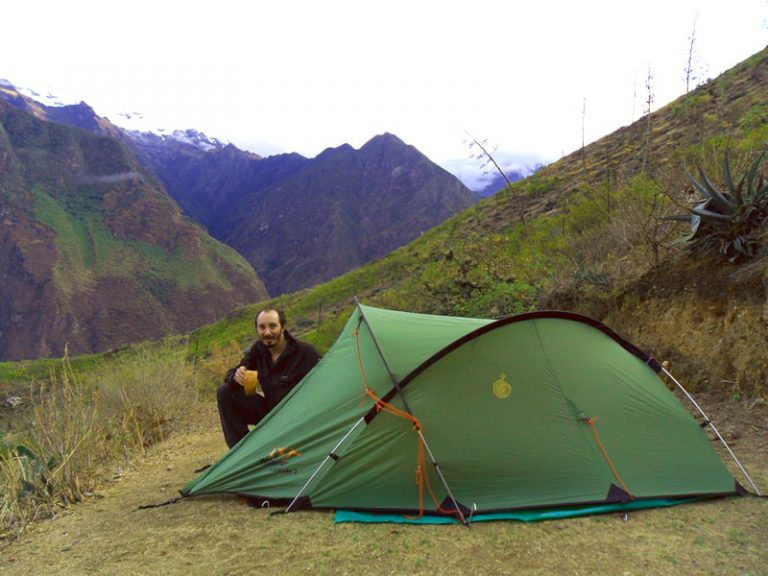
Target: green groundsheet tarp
(519,515)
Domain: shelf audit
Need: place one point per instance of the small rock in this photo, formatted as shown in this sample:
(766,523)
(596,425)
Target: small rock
(11,402)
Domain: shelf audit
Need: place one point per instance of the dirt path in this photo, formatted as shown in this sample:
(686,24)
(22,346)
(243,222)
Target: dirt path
(108,534)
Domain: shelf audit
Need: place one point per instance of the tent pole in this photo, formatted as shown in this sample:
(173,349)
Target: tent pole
(383,359)
(714,429)
(396,383)
(442,479)
(330,456)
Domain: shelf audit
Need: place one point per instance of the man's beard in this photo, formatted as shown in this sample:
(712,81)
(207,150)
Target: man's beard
(273,340)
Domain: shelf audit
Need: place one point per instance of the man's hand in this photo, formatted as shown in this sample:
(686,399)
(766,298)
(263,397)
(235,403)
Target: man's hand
(249,380)
(240,376)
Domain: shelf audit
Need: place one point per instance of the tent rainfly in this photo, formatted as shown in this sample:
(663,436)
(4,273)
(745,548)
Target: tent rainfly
(425,415)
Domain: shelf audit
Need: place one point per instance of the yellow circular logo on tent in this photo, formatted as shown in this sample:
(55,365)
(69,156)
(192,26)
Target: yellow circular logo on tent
(502,388)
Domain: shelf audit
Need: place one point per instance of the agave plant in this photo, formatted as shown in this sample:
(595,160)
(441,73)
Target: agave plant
(730,223)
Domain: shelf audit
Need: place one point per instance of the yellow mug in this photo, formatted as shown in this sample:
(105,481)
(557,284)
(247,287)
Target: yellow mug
(251,383)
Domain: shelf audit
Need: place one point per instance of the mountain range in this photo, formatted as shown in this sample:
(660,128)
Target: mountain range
(104,227)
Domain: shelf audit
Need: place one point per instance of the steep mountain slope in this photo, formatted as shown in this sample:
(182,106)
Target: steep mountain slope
(659,143)
(94,254)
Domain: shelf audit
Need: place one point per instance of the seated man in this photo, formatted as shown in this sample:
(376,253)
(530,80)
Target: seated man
(269,370)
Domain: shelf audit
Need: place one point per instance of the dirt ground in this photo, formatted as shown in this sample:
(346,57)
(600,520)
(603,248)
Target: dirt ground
(108,533)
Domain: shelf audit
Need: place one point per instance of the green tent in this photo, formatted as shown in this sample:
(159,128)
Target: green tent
(419,414)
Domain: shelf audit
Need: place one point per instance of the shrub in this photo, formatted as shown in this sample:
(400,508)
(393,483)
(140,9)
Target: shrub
(729,223)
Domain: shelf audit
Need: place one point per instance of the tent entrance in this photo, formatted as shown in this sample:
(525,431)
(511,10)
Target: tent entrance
(422,474)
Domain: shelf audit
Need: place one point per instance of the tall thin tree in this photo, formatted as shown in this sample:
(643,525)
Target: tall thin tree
(487,157)
(689,77)
(649,98)
(583,122)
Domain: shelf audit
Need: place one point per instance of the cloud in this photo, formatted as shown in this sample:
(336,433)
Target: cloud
(477,176)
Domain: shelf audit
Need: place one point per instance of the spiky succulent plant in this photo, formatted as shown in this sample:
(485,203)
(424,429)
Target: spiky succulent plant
(731,223)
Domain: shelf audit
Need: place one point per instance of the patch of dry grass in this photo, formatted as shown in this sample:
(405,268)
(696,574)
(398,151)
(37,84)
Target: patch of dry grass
(213,367)
(81,428)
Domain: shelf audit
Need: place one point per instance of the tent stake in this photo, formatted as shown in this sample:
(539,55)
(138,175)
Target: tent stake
(328,457)
(714,429)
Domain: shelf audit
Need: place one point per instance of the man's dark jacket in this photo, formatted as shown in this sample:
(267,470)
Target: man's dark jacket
(277,380)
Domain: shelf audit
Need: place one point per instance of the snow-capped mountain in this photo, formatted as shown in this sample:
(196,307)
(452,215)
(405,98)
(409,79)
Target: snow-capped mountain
(189,136)
(58,108)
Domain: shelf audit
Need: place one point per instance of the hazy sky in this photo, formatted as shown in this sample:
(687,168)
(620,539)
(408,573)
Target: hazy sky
(301,76)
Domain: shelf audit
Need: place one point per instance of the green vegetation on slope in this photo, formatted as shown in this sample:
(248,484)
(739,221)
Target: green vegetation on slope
(72,272)
(89,251)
